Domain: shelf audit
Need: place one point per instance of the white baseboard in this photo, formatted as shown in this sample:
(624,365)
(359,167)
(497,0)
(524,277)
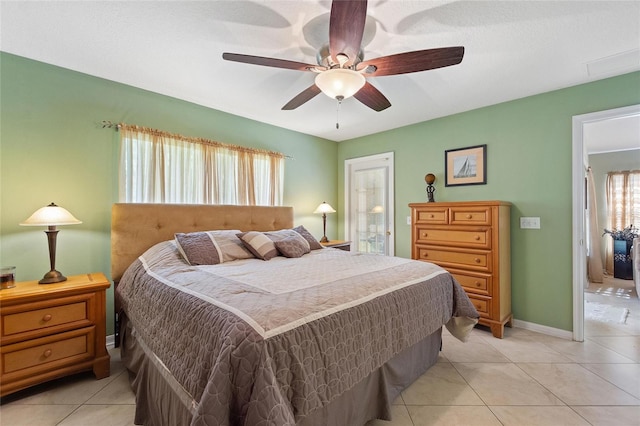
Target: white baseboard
(543,329)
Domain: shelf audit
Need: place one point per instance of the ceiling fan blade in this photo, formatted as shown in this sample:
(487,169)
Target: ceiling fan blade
(346,26)
(268,62)
(372,97)
(307,94)
(419,60)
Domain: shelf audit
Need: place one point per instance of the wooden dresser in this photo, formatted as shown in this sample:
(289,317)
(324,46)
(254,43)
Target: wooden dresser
(52,330)
(471,240)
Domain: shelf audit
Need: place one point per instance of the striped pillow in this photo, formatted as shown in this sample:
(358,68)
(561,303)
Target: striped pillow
(259,244)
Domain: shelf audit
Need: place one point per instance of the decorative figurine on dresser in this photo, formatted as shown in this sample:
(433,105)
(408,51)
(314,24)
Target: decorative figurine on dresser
(471,240)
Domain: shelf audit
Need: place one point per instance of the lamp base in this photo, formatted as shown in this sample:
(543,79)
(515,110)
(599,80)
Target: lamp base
(52,277)
(324,239)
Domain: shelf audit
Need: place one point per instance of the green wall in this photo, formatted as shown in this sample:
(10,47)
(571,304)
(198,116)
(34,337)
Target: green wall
(54,149)
(529,144)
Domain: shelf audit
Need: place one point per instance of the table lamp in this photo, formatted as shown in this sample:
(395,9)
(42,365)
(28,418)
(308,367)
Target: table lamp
(51,216)
(324,208)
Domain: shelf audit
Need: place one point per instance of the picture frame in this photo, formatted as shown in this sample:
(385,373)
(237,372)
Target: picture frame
(465,166)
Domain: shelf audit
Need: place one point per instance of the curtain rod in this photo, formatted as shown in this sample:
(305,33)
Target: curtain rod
(107,124)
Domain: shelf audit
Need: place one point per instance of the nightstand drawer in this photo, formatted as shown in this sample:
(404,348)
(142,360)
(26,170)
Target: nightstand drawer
(480,238)
(48,352)
(30,320)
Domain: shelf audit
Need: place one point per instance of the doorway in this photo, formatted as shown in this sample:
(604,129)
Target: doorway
(579,164)
(369,204)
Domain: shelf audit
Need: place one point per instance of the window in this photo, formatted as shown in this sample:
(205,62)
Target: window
(623,206)
(159,167)
(623,199)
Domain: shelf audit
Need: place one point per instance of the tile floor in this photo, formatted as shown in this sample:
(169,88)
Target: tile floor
(524,379)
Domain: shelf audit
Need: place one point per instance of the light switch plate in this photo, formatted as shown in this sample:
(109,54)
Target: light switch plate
(408,220)
(530,223)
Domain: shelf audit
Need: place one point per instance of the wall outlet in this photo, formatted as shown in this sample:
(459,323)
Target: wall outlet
(530,223)
(408,220)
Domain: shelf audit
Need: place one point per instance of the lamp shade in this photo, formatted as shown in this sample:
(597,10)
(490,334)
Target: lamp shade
(340,82)
(51,215)
(324,208)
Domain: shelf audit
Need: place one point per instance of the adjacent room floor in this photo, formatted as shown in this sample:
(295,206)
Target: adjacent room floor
(526,378)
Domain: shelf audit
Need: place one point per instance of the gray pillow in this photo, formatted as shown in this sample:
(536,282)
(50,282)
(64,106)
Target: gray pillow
(313,243)
(293,246)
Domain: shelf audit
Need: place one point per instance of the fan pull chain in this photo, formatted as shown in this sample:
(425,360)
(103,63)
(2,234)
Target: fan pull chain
(339,99)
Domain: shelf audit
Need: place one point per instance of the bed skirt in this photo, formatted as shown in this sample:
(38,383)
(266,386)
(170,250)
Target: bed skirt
(160,400)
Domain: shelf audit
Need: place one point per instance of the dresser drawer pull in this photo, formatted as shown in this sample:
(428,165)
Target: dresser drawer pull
(47,318)
(47,353)
(424,234)
(431,216)
(477,238)
(469,216)
(478,284)
(477,260)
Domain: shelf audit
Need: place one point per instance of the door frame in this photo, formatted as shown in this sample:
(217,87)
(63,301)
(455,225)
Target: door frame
(390,225)
(579,162)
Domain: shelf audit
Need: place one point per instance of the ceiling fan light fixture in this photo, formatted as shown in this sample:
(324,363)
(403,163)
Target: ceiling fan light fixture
(340,82)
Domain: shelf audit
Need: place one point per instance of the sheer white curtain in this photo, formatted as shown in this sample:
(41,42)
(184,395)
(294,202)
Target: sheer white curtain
(160,167)
(595,270)
(623,206)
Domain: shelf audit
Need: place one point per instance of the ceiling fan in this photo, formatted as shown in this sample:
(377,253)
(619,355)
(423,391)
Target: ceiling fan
(342,70)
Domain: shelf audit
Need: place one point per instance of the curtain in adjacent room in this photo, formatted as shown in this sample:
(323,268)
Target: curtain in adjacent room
(594,260)
(160,167)
(623,206)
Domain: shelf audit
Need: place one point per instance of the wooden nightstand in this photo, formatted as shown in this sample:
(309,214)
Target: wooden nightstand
(52,330)
(339,244)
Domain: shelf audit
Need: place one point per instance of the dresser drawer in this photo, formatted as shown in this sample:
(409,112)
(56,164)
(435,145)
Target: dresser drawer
(433,215)
(480,238)
(446,257)
(49,352)
(473,283)
(482,305)
(470,216)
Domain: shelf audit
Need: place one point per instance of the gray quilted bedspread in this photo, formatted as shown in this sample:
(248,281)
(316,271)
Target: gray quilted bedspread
(267,343)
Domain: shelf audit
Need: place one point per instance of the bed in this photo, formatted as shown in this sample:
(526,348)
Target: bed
(327,337)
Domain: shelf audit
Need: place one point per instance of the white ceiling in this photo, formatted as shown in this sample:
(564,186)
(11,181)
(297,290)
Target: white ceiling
(513,49)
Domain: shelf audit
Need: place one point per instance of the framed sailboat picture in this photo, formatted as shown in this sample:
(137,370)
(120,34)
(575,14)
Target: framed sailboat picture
(465,166)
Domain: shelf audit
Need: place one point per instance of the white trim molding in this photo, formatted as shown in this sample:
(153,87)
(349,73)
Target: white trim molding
(578,175)
(543,329)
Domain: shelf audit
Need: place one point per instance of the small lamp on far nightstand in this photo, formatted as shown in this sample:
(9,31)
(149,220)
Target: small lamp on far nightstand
(324,208)
(51,216)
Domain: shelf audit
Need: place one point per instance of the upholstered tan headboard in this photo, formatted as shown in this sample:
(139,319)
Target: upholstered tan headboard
(136,227)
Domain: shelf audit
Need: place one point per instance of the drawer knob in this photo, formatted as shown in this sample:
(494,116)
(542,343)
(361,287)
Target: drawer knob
(424,255)
(424,234)
(47,353)
(477,260)
(469,216)
(46,318)
(431,216)
(478,284)
(477,238)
